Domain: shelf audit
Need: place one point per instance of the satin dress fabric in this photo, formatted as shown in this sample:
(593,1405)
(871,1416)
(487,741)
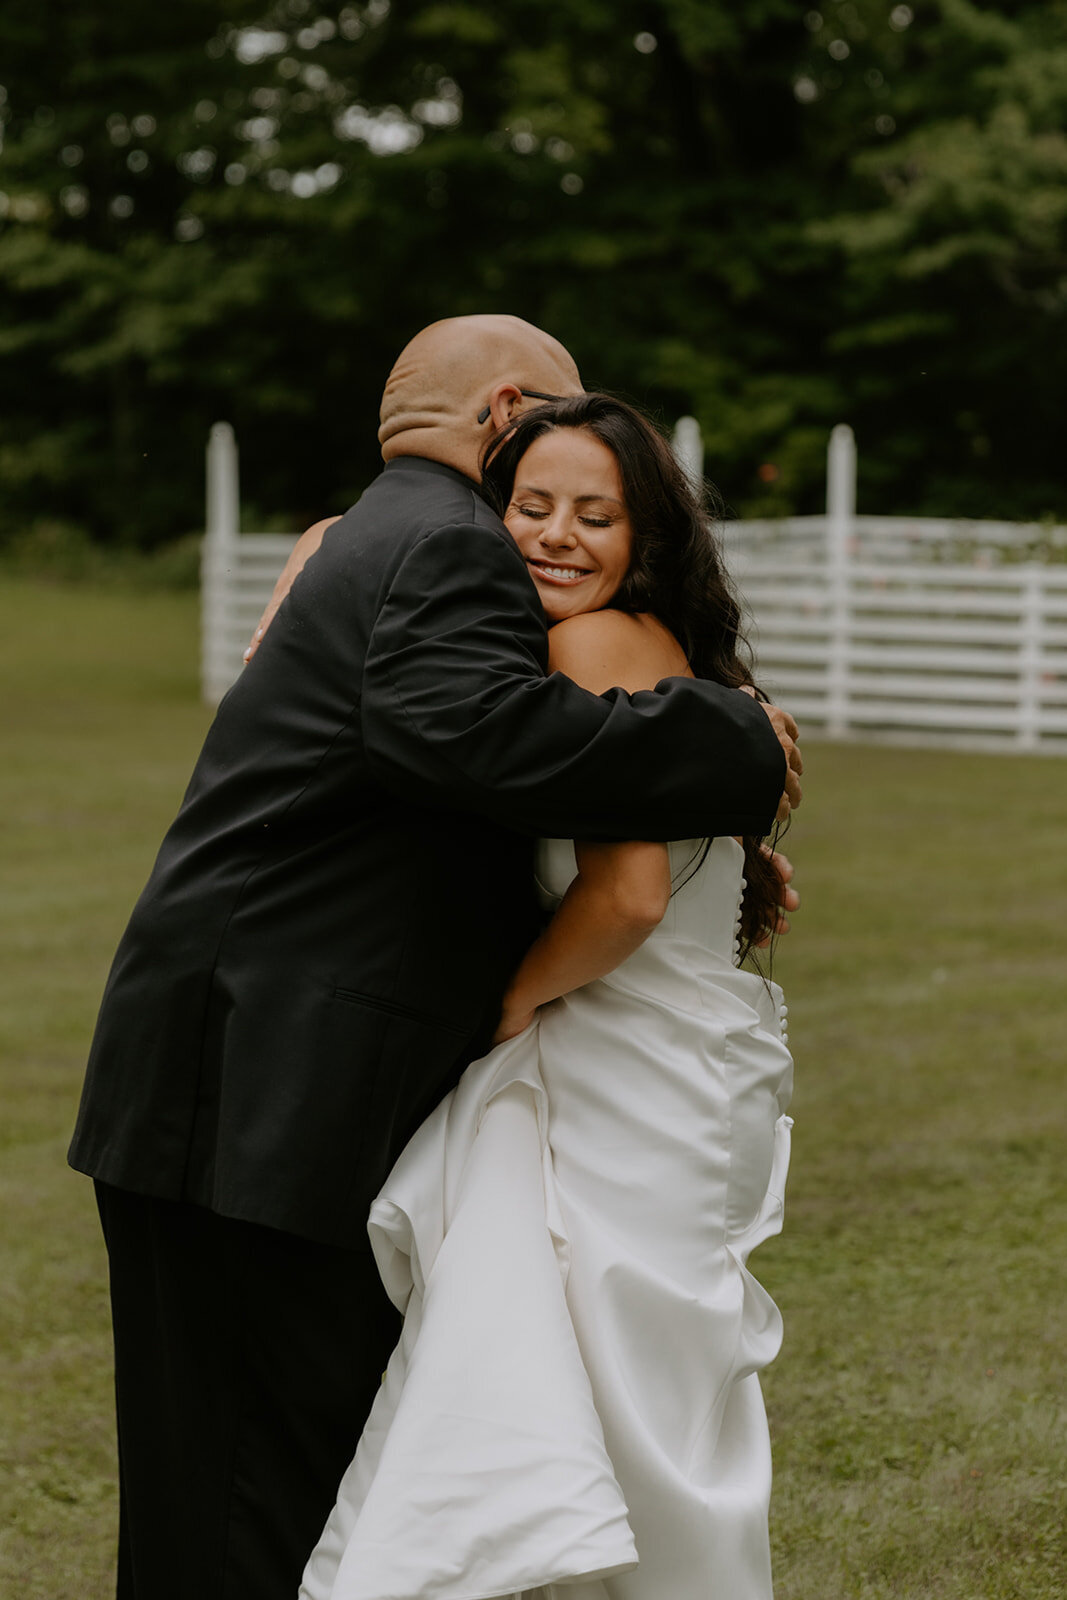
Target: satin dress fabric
(573,1411)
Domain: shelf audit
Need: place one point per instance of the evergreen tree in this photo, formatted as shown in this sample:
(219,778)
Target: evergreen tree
(774,219)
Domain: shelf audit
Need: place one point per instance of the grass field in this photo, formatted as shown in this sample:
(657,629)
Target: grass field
(917,1407)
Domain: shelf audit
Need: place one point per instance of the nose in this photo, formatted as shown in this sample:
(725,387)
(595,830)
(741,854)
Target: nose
(558,533)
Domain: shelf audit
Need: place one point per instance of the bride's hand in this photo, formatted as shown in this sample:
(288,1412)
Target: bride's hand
(305,546)
(512,1023)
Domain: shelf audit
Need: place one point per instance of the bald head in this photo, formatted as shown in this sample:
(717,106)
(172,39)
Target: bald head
(445,377)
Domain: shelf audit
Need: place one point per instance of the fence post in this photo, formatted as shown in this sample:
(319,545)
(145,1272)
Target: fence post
(221,532)
(840,515)
(1031,621)
(689,449)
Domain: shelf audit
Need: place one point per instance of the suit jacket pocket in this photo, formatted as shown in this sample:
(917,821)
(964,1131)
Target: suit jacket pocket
(395,1008)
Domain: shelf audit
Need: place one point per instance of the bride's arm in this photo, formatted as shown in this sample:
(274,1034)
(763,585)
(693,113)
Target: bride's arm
(611,907)
(299,556)
(621,891)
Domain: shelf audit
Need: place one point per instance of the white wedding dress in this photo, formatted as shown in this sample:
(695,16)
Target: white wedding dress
(573,1411)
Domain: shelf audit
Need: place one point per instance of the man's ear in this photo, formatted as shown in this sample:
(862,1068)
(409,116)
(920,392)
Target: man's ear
(505,402)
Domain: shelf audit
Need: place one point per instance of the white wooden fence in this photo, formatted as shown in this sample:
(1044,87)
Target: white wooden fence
(916,630)
(237,570)
(911,630)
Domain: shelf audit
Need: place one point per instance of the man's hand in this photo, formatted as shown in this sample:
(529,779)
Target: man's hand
(788,734)
(304,548)
(788,899)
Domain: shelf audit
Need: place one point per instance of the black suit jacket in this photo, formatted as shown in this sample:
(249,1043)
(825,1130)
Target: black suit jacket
(323,941)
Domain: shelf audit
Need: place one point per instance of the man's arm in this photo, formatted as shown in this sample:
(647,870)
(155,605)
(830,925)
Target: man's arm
(783,724)
(456,710)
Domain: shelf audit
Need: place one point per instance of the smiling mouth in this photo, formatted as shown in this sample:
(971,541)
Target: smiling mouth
(554,574)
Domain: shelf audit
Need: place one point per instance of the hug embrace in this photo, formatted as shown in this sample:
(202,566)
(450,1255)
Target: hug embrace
(427,1049)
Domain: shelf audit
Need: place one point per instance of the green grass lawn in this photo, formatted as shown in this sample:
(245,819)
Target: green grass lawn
(917,1407)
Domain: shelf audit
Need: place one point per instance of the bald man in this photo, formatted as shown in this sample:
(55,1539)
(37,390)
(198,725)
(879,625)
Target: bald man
(322,947)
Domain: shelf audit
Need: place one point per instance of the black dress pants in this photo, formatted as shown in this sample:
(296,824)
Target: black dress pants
(246,1361)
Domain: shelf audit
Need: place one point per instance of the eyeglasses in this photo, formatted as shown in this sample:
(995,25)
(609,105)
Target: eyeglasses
(531,394)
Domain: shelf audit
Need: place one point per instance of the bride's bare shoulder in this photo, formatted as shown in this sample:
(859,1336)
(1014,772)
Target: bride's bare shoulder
(615,649)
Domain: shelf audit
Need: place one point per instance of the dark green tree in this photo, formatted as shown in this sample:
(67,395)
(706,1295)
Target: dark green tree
(951,221)
(757,214)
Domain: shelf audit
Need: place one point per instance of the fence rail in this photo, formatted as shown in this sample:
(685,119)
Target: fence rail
(913,630)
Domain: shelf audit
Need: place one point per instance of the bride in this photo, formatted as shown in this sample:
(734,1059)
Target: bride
(573,1408)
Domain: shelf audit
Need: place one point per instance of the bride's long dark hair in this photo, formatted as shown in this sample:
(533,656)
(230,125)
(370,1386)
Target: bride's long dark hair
(676,568)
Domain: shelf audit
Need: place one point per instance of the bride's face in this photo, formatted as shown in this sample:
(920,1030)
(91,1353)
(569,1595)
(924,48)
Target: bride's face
(569,519)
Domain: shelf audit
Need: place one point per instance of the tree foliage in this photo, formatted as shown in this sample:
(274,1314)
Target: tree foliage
(774,219)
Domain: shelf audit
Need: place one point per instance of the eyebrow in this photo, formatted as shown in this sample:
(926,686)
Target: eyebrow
(580,500)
